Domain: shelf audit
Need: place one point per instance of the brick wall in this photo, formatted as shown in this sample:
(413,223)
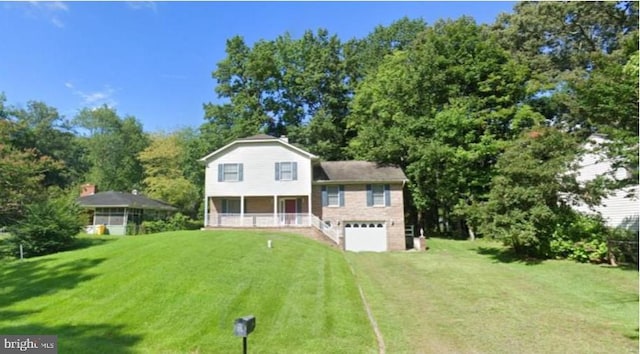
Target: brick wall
(356,209)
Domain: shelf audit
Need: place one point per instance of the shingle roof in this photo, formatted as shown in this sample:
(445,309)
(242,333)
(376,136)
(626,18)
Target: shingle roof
(356,171)
(122,200)
(259,137)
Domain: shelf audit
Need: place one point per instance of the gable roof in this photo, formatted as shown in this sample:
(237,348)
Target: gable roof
(356,171)
(260,138)
(122,200)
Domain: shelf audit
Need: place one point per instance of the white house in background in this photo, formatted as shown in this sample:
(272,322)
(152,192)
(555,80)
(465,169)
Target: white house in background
(621,208)
(264,181)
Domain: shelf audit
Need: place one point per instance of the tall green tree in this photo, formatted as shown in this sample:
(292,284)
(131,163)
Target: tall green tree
(286,86)
(164,175)
(41,128)
(112,144)
(363,56)
(442,110)
(21,174)
(531,192)
(577,52)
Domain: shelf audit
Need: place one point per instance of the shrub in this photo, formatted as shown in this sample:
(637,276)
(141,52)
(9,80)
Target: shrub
(48,227)
(580,237)
(623,245)
(175,223)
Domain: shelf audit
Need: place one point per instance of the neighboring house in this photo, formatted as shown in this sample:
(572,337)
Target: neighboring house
(263,181)
(120,212)
(620,208)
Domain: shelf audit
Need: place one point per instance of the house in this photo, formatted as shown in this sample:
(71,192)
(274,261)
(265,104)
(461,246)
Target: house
(618,209)
(264,181)
(121,213)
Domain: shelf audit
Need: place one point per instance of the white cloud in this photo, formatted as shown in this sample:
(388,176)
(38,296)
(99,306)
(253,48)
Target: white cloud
(142,5)
(48,11)
(57,5)
(94,99)
(57,22)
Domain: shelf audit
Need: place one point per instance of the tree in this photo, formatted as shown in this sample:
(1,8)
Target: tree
(530,192)
(41,128)
(442,110)
(281,87)
(363,56)
(577,52)
(112,144)
(22,171)
(164,177)
(49,226)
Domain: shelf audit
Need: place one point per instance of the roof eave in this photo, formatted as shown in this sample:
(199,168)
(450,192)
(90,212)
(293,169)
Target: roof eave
(303,152)
(359,182)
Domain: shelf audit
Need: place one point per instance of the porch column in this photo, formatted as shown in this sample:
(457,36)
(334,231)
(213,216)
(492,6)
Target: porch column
(206,211)
(275,210)
(309,208)
(242,210)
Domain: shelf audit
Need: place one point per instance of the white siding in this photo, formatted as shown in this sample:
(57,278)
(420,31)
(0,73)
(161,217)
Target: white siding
(618,210)
(258,161)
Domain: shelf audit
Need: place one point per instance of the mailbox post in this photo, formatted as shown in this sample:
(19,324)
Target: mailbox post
(242,327)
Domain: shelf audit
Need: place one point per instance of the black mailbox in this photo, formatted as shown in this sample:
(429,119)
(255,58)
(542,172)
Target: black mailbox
(244,325)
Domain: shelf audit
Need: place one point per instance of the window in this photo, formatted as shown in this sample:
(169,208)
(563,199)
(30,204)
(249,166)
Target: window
(109,216)
(378,195)
(333,196)
(230,172)
(230,206)
(286,171)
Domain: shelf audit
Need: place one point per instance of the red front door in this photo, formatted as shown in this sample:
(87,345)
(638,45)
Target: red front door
(290,209)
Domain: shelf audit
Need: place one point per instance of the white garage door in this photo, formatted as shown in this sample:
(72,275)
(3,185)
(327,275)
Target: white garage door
(365,236)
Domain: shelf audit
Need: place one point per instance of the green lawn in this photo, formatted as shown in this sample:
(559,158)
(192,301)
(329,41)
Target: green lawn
(180,292)
(462,297)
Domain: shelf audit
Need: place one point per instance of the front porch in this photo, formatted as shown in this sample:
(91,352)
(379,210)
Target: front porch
(259,220)
(258,211)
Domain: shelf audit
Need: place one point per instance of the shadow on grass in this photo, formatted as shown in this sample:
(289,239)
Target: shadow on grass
(505,255)
(22,280)
(633,336)
(83,338)
(86,242)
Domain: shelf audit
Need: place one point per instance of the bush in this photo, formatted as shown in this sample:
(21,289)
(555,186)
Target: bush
(175,223)
(48,227)
(624,245)
(580,237)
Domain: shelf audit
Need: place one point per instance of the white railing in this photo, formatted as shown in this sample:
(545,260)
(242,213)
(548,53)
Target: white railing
(258,220)
(326,229)
(273,220)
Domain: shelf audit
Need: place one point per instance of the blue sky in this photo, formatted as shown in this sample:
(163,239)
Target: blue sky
(153,60)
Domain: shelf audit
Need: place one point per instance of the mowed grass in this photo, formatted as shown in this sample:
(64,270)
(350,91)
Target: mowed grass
(473,297)
(180,292)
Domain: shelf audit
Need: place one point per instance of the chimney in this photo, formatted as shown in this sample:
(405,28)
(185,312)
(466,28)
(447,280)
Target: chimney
(284,138)
(88,189)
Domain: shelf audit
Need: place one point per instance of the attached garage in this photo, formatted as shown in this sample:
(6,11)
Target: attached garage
(361,236)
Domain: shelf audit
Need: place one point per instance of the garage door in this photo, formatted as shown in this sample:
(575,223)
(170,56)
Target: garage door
(365,236)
